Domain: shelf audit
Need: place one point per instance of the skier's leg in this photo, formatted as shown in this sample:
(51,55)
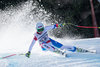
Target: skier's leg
(69,48)
(74,49)
(55,43)
(48,47)
(51,48)
(61,46)
(43,48)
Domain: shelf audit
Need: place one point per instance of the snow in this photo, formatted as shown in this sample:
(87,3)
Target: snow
(48,59)
(16,33)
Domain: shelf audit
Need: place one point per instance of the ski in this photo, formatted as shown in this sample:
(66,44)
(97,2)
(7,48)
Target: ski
(92,51)
(85,51)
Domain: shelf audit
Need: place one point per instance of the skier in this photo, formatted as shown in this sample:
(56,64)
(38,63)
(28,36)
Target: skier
(47,43)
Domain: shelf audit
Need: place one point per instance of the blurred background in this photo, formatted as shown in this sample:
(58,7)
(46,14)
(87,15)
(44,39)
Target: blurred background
(76,12)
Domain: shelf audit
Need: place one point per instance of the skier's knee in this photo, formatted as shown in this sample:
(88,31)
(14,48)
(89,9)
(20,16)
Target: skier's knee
(69,48)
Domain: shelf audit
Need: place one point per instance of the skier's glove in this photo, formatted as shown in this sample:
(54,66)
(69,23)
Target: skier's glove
(28,54)
(62,25)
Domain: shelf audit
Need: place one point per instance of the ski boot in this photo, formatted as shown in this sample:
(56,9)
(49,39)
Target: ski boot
(84,50)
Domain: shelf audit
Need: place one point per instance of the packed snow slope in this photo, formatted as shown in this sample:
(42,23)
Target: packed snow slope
(47,59)
(17,26)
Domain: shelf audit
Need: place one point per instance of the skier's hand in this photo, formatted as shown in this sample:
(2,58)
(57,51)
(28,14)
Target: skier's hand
(62,25)
(28,54)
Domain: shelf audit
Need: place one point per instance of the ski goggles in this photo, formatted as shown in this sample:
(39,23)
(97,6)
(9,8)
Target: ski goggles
(40,30)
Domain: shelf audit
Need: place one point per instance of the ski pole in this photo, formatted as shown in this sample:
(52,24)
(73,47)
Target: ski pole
(10,56)
(83,26)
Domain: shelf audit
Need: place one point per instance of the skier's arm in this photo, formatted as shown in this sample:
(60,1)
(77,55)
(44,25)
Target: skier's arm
(32,43)
(54,26)
(30,48)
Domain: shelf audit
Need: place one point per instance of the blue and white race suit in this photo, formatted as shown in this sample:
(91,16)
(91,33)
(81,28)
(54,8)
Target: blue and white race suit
(47,43)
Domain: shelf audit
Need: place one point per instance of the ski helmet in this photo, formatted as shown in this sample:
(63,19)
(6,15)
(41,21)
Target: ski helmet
(39,27)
